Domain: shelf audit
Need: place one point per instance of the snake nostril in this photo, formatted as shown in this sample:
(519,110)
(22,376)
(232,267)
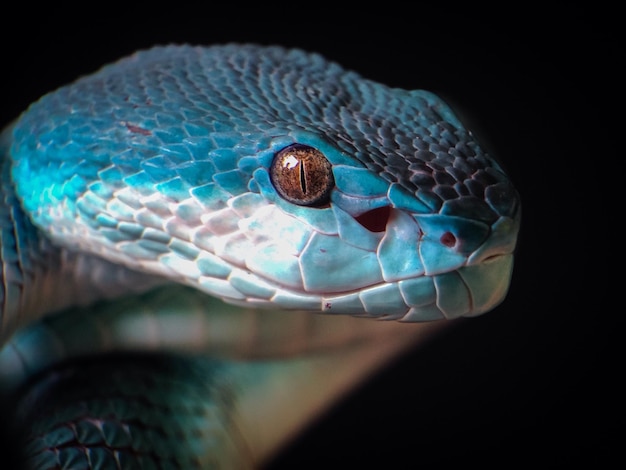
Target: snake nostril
(375,220)
(448,239)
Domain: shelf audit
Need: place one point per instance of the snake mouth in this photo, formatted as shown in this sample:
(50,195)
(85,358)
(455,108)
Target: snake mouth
(466,291)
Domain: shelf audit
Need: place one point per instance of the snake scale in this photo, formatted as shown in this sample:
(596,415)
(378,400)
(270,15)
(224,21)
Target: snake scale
(188,207)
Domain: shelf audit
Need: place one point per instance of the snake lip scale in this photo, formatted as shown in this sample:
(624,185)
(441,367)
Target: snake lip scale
(265,177)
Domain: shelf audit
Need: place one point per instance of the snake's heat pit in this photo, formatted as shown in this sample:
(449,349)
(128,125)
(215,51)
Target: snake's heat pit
(375,220)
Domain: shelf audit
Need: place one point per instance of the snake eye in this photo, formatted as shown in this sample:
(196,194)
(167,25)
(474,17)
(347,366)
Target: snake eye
(302,175)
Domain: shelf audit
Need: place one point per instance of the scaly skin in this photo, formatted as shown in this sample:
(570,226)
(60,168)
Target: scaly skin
(160,169)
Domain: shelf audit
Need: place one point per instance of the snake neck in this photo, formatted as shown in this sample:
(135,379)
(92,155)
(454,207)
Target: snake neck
(37,277)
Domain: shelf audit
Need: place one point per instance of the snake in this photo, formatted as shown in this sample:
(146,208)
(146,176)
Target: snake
(190,229)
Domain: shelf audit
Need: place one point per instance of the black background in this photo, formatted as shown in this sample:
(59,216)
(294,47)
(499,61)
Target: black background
(535,381)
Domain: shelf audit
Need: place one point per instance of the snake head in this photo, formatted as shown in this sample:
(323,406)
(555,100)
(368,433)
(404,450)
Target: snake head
(400,235)
(273,178)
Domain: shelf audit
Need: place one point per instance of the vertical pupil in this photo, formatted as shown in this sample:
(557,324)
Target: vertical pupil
(303,177)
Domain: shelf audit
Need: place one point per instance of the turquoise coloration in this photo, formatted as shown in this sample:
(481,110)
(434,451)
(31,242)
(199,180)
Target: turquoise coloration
(156,168)
(387,298)
(323,261)
(394,259)
(184,140)
(451,295)
(350,229)
(401,199)
(359,182)
(181,148)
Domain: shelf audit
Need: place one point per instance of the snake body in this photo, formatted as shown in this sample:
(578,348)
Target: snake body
(268,178)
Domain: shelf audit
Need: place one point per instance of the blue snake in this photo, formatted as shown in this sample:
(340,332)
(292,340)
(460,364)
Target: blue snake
(196,205)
